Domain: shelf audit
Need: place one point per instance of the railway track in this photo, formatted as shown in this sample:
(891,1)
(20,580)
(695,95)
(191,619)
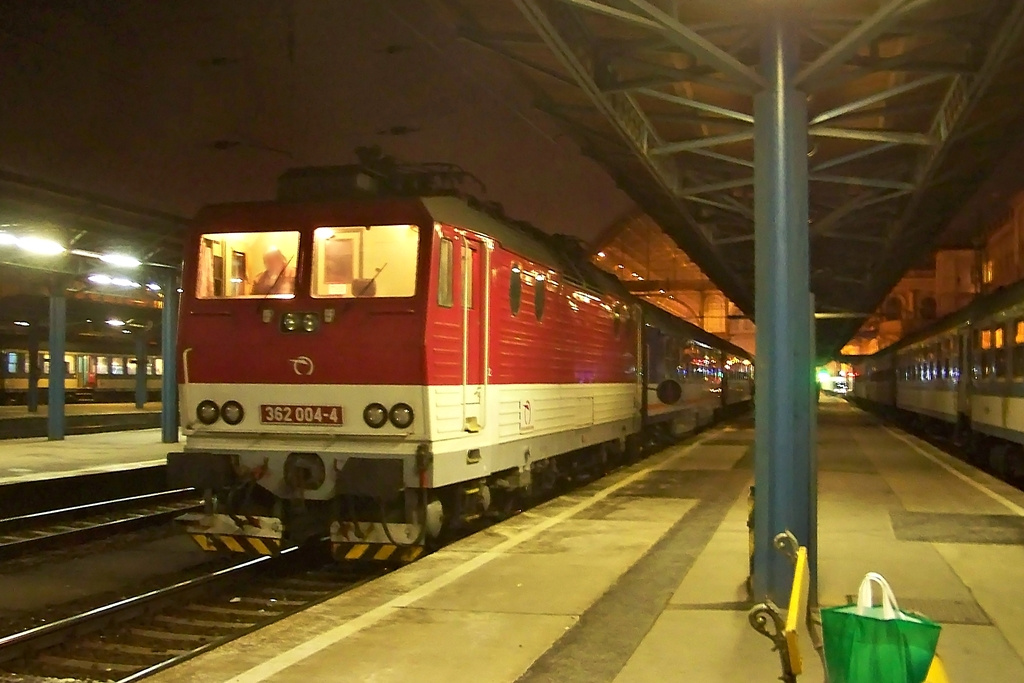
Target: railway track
(41,531)
(136,637)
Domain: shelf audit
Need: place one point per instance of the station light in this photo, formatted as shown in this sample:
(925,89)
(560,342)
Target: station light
(21,323)
(39,246)
(114,322)
(101,279)
(121,260)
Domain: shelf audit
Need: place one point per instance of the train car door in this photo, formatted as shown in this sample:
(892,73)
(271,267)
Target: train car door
(474,267)
(965,375)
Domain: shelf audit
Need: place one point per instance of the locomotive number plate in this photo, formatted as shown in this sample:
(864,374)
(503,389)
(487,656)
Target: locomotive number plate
(300,415)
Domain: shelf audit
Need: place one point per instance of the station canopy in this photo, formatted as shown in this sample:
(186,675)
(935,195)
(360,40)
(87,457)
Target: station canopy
(911,104)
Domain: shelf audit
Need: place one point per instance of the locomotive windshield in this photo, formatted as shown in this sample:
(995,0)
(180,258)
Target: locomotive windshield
(244,264)
(365,261)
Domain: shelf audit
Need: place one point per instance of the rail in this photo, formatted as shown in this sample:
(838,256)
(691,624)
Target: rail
(55,528)
(136,637)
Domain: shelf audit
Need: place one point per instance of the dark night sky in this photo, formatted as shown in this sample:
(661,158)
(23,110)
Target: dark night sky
(127,98)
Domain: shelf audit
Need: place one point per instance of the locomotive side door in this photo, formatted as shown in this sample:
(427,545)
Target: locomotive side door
(474,267)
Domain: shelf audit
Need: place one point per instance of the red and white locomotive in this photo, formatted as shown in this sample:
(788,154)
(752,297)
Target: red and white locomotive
(378,363)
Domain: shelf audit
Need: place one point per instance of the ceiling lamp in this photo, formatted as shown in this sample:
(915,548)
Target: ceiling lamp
(121,260)
(40,246)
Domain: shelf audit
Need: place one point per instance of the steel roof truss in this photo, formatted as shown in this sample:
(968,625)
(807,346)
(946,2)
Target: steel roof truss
(876,98)
(836,56)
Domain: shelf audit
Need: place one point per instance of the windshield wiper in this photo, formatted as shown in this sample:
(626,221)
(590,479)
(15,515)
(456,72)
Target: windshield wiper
(373,279)
(270,290)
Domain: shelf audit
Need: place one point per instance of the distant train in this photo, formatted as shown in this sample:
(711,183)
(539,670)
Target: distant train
(962,375)
(97,372)
(382,366)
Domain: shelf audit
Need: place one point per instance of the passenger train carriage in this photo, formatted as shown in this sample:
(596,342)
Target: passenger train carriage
(380,366)
(964,372)
(101,372)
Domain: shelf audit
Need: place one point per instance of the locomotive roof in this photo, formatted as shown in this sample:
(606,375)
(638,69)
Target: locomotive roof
(566,257)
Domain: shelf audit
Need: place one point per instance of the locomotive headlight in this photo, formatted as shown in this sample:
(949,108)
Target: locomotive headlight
(401,415)
(207,411)
(289,322)
(375,415)
(232,412)
(310,322)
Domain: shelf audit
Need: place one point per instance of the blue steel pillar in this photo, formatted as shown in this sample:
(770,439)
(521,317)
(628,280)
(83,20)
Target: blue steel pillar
(55,391)
(782,403)
(169,352)
(32,397)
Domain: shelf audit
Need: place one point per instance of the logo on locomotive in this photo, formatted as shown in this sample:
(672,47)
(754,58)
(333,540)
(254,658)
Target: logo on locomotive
(303,365)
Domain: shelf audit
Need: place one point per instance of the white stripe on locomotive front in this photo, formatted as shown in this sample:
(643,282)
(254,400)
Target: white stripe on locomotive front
(561,417)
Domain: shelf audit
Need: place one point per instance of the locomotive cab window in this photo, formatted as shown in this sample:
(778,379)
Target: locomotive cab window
(365,261)
(247,264)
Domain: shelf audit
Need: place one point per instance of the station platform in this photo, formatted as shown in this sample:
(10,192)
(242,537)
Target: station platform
(80,418)
(641,576)
(37,458)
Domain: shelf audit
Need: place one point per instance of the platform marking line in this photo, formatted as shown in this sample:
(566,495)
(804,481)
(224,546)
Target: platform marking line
(999,498)
(98,469)
(261,672)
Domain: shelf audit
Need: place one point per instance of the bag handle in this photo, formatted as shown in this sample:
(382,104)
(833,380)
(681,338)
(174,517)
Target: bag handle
(865,599)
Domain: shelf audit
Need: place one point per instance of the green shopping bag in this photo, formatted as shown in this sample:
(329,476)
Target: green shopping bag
(868,644)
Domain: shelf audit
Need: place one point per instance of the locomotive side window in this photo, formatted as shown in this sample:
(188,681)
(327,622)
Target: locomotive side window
(469,264)
(515,288)
(247,264)
(538,296)
(365,261)
(445,274)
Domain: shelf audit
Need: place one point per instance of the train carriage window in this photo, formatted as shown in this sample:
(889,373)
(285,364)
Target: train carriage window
(1000,358)
(365,261)
(515,288)
(116,365)
(445,274)
(12,363)
(158,366)
(131,367)
(102,365)
(247,264)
